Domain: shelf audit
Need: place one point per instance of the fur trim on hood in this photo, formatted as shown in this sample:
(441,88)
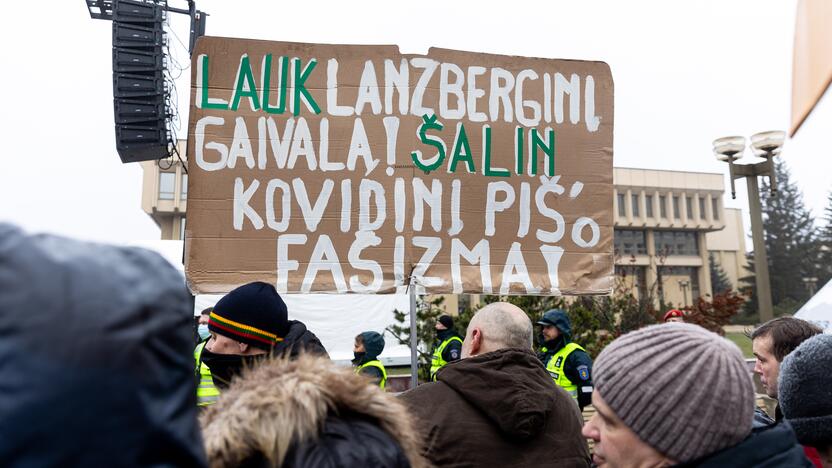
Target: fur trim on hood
(282,403)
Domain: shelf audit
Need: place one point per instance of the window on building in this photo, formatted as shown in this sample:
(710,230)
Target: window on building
(715,208)
(663,206)
(676,243)
(167,180)
(636,208)
(633,278)
(621,209)
(678,285)
(629,242)
(182,228)
(676,214)
(463,302)
(184,186)
(689,207)
(648,205)
(701,208)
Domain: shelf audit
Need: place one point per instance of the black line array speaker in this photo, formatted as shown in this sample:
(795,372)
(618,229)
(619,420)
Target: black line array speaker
(139,94)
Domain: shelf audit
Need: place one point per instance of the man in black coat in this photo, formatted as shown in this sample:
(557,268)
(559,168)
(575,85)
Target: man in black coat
(247,325)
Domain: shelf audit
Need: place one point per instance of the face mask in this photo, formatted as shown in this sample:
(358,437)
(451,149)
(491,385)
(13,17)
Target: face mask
(204,334)
(358,356)
(224,367)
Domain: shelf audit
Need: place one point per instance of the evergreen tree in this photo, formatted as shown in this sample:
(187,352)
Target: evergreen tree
(719,279)
(825,245)
(790,245)
(428,310)
(747,287)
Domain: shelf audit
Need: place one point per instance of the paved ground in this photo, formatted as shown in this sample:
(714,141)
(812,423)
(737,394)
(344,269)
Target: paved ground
(737,328)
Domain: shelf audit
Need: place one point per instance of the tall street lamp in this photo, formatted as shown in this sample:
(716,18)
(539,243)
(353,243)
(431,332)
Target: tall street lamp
(765,145)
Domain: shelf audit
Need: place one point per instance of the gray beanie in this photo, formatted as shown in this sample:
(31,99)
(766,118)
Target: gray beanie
(683,390)
(805,390)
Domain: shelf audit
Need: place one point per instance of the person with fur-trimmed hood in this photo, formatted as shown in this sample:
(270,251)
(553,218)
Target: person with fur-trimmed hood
(308,413)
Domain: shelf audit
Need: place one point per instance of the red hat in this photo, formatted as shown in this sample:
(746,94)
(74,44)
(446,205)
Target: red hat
(673,313)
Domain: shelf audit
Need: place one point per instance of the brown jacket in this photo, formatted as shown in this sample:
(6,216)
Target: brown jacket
(498,409)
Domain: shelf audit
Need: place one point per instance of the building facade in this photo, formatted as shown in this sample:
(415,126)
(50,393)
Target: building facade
(662,222)
(666,224)
(165,194)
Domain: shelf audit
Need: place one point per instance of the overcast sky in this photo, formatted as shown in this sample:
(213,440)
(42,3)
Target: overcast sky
(685,72)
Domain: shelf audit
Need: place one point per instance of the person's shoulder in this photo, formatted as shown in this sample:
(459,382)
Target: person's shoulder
(580,354)
(371,370)
(425,392)
(303,339)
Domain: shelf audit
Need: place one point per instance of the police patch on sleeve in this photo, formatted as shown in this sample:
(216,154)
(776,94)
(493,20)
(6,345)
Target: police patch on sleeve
(454,354)
(583,372)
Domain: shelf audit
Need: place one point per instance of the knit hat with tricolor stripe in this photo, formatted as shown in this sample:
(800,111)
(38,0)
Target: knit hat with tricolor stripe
(683,390)
(253,313)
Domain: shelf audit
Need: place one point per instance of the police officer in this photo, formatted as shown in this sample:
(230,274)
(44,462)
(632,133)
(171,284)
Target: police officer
(674,315)
(368,345)
(448,347)
(568,363)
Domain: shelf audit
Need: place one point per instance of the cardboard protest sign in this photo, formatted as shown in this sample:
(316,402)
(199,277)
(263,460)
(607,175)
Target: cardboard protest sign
(342,168)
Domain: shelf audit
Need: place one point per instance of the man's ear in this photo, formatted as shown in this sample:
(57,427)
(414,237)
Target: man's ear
(476,341)
(243,347)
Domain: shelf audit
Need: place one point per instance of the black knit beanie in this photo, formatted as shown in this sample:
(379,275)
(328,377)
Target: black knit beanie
(804,390)
(448,321)
(253,313)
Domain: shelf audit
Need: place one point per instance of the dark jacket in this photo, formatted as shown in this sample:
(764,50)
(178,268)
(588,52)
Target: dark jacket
(299,340)
(767,447)
(761,419)
(308,412)
(578,365)
(96,354)
(498,409)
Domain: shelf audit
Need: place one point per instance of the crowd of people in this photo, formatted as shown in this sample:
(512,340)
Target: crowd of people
(101,370)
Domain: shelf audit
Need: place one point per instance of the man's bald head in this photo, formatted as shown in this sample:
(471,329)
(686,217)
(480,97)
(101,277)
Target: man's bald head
(497,326)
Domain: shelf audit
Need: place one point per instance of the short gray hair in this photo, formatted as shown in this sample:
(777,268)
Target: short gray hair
(504,325)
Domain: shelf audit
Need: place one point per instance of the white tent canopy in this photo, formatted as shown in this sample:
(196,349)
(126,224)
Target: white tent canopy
(819,309)
(337,318)
(334,318)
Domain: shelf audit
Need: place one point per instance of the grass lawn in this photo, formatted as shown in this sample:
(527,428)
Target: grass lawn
(742,341)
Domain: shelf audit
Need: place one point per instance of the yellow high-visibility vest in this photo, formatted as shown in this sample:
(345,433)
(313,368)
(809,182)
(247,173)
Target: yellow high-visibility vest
(437,362)
(206,392)
(555,369)
(378,365)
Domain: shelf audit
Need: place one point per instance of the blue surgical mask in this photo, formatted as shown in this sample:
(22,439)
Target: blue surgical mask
(204,334)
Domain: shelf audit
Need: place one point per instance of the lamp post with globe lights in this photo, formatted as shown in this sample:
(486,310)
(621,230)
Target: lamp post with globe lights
(766,145)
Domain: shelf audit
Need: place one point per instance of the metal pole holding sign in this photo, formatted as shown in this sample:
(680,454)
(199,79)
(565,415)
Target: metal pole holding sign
(414,340)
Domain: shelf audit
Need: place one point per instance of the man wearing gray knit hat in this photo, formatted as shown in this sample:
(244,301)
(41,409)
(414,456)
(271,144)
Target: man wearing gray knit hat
(677,394)
(806,394)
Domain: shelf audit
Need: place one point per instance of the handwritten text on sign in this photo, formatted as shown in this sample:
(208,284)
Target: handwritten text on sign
(355,169)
